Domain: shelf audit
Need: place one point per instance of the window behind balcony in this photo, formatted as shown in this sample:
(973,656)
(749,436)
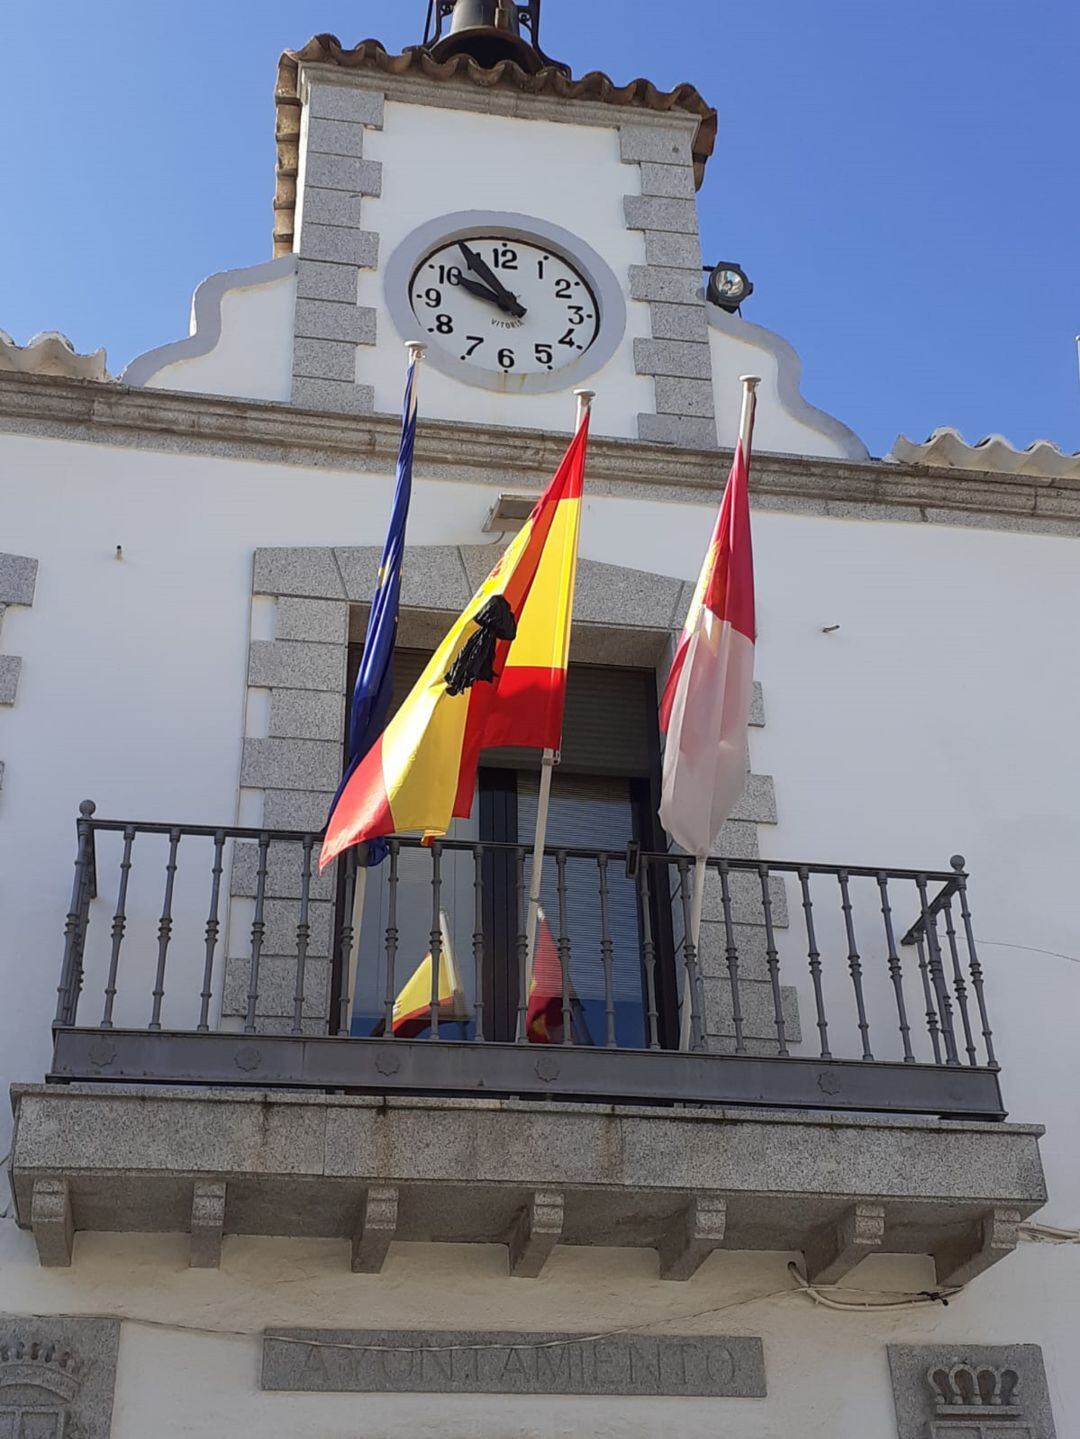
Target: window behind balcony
(604,797)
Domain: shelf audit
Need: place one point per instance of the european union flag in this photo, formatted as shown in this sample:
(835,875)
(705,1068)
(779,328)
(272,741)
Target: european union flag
(375,680)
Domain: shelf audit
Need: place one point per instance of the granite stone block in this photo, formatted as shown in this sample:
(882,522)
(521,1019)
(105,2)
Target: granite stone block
(679,252)
(334,137)
(433,577)
(332,207)
(757,706)
(299,571)
(328,101)
(655,145)
(338,244)
(291,664)
(325,621)
(284,870)
(324,359)
(10,668)
(750,948)
(296,809)
(757,801)
(679,322)
(306,714)
(665,283)
(652,212)
(681,358)
(936,1386)
(673,182)
(614,595)
(756,1007)
(333,396)
(737,840)
(18,579)
(59,1377)
(695,434)
(290,764)
(277,986)
(744,890)
(331,320)
(684,397)
(345,172)
(321,280)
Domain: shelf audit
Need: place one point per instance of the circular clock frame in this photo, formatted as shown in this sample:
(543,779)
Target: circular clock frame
(470,224)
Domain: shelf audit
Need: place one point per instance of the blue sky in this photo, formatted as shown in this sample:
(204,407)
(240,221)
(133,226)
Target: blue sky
(898,177)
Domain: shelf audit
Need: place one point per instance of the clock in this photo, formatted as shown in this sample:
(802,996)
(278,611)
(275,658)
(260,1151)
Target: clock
(505,305)
(506,302)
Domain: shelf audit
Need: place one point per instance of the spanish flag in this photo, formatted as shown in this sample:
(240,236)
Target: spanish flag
(412,1007)
(498,678)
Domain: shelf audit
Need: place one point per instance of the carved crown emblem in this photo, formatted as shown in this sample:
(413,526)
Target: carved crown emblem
(43,1366)
(974,1391)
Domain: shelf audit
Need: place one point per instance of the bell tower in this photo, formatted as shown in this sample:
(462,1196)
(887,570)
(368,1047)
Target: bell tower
(535,231)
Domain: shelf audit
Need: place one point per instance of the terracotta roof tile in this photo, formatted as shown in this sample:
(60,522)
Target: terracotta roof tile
(551,81)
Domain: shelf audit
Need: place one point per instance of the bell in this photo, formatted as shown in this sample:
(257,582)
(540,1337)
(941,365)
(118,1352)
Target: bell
(489,31)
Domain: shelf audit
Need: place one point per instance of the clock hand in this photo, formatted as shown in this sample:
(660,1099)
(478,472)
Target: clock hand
(480,290)
(505,300)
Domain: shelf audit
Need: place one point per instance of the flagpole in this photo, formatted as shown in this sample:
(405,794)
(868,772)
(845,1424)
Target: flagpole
(547,765)
(697,900)
(416,352)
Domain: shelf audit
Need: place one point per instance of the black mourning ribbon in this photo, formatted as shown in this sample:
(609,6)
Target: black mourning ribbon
(475,660)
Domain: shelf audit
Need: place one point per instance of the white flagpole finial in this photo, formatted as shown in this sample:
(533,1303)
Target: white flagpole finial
(584,403)
(749,402)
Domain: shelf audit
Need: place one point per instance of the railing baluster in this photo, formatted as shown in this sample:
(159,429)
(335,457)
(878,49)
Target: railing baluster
(165,927)
(895,969)
(732,957)
(351,862)
(928,997)
(213,928)
(258,930)
(974,966)
(522,948)
(648,954)
(119,924)
(959,987)
(436,936)
(937,974)
(77,918)
(607,956)
(772,959)
(854,963)
(564,948)
(815,961)
(478,943)
(692,988)
(390,993)
(303,933)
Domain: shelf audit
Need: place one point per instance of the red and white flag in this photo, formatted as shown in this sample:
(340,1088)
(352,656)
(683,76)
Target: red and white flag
(706,705)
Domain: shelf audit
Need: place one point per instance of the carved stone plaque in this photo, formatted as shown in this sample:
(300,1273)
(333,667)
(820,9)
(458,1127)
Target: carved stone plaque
(970,1391)
(57,1377)
(453,1362)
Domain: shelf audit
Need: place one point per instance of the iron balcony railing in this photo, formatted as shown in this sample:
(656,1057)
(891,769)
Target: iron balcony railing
(222,956)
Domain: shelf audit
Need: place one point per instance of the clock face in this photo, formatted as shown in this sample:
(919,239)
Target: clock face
(504,306)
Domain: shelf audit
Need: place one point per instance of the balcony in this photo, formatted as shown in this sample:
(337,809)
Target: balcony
(236,1051)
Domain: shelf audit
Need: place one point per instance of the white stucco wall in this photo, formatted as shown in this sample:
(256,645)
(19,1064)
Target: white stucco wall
(240,340)
(941,715)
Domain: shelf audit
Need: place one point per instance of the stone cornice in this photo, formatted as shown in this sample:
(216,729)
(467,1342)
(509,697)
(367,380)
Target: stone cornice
(525,459)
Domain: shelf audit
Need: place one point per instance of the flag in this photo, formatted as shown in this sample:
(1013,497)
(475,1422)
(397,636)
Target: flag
(374,681)
(544,1015)
(412,1007)
(706,703)
(498,678)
